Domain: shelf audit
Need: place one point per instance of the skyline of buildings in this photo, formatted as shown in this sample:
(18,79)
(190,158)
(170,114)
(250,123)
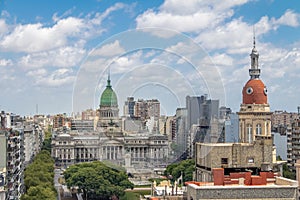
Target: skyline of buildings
(32,67)
(141,85)
(197,131)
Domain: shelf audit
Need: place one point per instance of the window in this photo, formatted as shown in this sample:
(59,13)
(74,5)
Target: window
(258,129)
(224,161)
(249,133)
(250,160)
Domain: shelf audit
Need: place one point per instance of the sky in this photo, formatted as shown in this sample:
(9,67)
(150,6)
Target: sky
(55,56)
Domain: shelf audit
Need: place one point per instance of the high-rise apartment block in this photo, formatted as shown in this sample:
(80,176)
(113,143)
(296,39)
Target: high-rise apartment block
(20,140)
(281,120)
(11,162)
(293,143)
(142,109)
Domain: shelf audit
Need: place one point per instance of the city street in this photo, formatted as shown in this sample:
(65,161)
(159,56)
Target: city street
(57,185)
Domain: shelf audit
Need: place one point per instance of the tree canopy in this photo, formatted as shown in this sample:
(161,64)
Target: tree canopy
(186,167)
(39,177)
(96,180)
(47,141)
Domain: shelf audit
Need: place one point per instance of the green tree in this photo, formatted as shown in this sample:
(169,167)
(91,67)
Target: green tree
(39,177)
(185,167)
(96,180)
(47,141)
(287,173)
(38,193)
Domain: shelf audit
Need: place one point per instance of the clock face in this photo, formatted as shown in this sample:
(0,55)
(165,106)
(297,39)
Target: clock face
(265,91)
(249,90)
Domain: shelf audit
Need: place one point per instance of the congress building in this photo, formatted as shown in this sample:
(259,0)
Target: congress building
(107,142)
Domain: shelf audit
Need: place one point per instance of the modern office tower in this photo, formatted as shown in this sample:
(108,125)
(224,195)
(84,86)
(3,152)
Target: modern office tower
(128,108)
(181,146)
(232,128)
(200,109)
(224,113)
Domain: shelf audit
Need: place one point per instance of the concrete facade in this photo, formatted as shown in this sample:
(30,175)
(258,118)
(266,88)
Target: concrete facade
(145,151)
(33,140)
(254,120)
(12,167)
(243,156)
(280,192)
(243,185)
(293,144)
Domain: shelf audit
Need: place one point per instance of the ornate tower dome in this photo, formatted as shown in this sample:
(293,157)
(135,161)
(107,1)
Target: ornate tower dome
(255,91)
(254,115)
(108,97)
(108,103)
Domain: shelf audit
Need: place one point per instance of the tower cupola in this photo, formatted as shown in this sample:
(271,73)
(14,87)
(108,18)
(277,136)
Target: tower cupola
(255,91)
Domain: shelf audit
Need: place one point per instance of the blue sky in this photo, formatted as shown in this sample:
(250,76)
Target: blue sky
(57,53)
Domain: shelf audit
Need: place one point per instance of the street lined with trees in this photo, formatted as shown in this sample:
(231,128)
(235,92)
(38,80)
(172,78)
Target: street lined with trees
(39,178)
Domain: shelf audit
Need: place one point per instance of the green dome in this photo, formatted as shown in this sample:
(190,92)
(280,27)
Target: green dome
(108,97)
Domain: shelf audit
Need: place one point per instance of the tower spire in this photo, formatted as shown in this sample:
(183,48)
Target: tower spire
(253,37)
(108,78)
(254,71)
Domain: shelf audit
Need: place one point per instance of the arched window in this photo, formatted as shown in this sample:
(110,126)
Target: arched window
(258,129)
(249,133)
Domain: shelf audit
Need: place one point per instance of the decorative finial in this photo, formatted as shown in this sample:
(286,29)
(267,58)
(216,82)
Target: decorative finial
(254,71)
(253,36)
(108,78)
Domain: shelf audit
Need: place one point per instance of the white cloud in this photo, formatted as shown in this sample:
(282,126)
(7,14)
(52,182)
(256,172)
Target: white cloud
(127,62)
(37,73)
(190,16)
(180,22)
(6,62)
(234,36)
(107,12)
(68,56)
(193,6)
(37,37)
(290,18)
(222,60)
(108,50)
(57,78)
(3,27)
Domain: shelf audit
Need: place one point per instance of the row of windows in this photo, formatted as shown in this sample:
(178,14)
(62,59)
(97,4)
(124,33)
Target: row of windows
(79,142)
(224,161)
